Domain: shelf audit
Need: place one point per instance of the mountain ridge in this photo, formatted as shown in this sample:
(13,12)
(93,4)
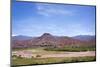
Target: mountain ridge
(48,40)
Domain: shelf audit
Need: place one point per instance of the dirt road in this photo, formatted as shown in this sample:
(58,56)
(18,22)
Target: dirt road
(29,54)
(71,54)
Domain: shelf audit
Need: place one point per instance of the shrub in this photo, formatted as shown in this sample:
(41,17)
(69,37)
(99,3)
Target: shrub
(32,57)
(14,55)
(20,57)
(38,55)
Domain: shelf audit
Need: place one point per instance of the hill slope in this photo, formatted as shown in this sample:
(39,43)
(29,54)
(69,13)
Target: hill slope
(48,40)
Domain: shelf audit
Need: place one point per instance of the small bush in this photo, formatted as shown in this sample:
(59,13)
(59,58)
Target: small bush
(14,55)
(38,55)
(32,57)
(20,57)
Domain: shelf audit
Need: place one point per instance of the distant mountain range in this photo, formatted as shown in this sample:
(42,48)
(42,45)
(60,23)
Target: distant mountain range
(79,37)
(84,37)
(48,40)
(21,37)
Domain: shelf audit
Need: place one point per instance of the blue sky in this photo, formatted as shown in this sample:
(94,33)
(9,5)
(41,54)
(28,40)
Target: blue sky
(34,19)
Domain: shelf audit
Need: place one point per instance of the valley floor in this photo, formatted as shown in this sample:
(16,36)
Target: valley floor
(40,56)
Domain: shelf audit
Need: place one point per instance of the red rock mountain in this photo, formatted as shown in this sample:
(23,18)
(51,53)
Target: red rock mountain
(47,40)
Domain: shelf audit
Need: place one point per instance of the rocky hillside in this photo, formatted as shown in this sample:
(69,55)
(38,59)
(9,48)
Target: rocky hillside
(48,40)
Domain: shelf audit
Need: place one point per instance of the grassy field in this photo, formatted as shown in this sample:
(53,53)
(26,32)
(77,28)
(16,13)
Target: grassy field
(37,61)
(71,49)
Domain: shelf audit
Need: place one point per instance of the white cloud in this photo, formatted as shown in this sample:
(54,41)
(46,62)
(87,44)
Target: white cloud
(53,9)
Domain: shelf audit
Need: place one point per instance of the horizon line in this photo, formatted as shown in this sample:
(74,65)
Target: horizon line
(55,35)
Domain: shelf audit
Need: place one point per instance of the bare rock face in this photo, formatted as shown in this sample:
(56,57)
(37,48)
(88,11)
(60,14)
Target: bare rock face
(48,40)
(46,35)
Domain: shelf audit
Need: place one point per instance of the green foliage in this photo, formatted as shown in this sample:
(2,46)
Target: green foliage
(71,49)
(14,55)
(36,61)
